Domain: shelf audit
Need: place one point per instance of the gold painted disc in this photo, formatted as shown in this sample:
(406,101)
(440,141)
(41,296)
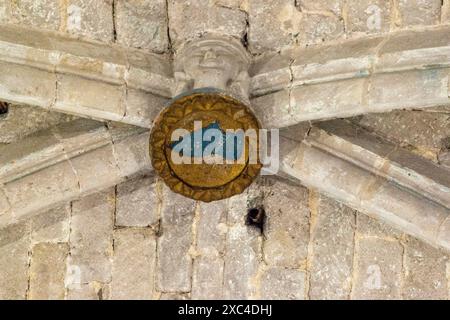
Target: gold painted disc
(220,175)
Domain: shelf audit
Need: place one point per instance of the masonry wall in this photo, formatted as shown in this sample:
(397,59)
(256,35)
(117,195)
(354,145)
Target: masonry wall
(138,240)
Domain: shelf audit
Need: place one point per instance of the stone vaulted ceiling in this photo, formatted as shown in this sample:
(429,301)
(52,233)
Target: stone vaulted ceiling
(359,209)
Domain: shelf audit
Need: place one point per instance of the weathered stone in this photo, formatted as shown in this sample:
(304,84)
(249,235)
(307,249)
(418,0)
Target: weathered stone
(211,229)
(137,203)
(287,225)
(445,11)
(142,107)
(378,270)
(207,277)
(325,6)
(76,93)
(174,261)
(422,132)
(373,227)
(22,121)
(14,246)
(317,28)
(96,169)
(419,12)
(282,284)
(132,156)
(92,19)
(142,24)
(133,264)
(44,14)
(188,20)
(88,291)
(425,271)
(272,25)
(51,226)
(47,271)
(331,257)
(23,84)
(402,88)
(369,16)
(40,190)
(243,250)
(91,238)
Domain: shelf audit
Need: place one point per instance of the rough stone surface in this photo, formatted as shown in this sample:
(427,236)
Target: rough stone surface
(422,132)
(419,12)
(91,238)
(42,14)
(425,272)
(378,269)
(192,19)
(174,261)
(22,121)
(287,226)
(282,284)
(243,250)
(137,203)
(211,229)
(317,28)
(51,226)
(332,246)
(263,16)
(133,264)
(369,16)
(375,228)
(142,24)
(47,271)
(14,247)
(91,18)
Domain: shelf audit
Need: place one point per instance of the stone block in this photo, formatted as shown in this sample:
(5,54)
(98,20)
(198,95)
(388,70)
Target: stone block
(324,6)
(369,16)
(372,227)
(131,155)
(91,238)
(188,20)
(51,226)
(244,248)
(331,258)
(142,24)
(283,284)
(316,28)
(207,278)
(287,225)
(47,271)
(43,14)
(14,246)
(403,87)
(42,189)
(27,85)
(96,169)
(142,107)
(425,271)
(90,97)
(174,266)
(378,272)
(272,25)
(133,264)
(211,229)
(137,203)
(419,12)
(87,291)
(91,19)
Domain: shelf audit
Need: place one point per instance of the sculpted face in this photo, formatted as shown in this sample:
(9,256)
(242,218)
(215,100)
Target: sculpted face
(215,66)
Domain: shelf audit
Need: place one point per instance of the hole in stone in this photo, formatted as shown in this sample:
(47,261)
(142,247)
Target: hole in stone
(256,218)
(4,108)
